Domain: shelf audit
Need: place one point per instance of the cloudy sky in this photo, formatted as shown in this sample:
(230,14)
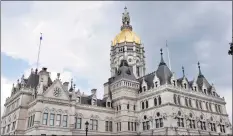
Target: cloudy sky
(77,38)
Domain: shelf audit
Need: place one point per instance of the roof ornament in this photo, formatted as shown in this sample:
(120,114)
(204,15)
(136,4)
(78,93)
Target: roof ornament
(126,20)
(199,67)
(125,17)
(58,75)
(162,61)
(71,85)
(183,71)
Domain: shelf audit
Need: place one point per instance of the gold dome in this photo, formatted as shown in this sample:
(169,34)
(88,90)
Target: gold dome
(126,35)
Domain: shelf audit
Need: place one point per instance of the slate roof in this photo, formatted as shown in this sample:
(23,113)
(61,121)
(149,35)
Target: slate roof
(33,80)
(87,100)
(124,72)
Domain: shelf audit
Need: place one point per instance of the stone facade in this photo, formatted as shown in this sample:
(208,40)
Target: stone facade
(133,103)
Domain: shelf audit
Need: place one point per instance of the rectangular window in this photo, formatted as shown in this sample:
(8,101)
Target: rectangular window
(131,126)
(148,125)
(33,117)
(219,109)
(94,124)
(45,118)
(58,120)
(144,125)
(29,121)
(128,125)
(106,125)
(52,116)
(78,122)
(8,128)
(110,126)
(120,125)
(117,127)
(157,123)
(30,124)
(13,125)
(135,126)
(161,122)
(65,119)
(3,131)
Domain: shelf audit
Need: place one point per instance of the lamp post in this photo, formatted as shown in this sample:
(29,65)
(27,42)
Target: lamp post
(86,127)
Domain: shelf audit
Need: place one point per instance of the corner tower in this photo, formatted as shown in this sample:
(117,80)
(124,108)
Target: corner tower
(127,45)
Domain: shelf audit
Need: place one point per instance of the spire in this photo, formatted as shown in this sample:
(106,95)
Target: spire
(71,86)
(199,67)
(126,20)
(183,71)
(162,61)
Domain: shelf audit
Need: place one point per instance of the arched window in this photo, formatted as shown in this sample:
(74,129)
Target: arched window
(146,104)
(186,101)
(197,104)
(156,84)
(45,117)
(219,109)
(158,121)
(119,107)
(174,82)
(210,107)
(180,120)
(200,104)
(212,125)
(127,106)
(205,91)
(207,108)
(191,121)
(195,88)
(155,101)
(202,123)
(178,100)
(160,101)
(216,108)
(144,88)
(138,73)
(142,105)
(174,98)
(185,86)
(190,102)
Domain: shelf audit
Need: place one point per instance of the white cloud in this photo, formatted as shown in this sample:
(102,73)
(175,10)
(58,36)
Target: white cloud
(6,86)
(69,40)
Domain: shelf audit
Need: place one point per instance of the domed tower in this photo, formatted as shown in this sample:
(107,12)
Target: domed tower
(127,45)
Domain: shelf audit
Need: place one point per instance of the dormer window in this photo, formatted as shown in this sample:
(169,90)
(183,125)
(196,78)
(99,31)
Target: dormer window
(185,85)
(109,104)
(174,82)
(214,93)
(144,88)
(205,91)
(156,84)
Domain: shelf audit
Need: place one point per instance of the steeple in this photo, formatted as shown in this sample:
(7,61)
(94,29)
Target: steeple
(126,20)
(162,61)
(200,74)
(71,86)
(183,71)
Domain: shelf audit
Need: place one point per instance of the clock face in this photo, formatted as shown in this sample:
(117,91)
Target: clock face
(57,92)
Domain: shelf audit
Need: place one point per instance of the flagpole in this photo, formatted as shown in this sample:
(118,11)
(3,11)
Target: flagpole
(168,56)
(37,63)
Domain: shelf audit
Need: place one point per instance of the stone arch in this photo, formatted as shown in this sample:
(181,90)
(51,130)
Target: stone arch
(53,110)
(59,111)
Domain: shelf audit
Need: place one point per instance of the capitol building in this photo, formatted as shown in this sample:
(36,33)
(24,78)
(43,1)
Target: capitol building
(134,102)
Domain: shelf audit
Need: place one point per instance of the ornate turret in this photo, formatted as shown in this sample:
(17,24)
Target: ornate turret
(201,80)
(163,72)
